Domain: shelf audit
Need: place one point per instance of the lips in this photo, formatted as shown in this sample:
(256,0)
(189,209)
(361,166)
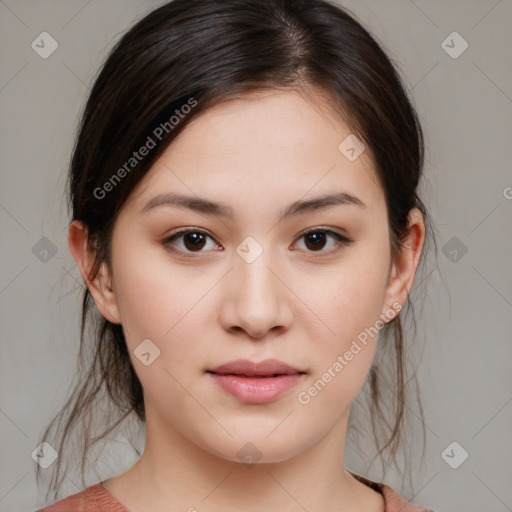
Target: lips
(256,383)
(247,368)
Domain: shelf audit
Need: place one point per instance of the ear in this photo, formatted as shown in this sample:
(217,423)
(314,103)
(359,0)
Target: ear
(404,268)
(101,286)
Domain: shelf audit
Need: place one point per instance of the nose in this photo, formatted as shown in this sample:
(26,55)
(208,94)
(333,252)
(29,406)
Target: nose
(256,299)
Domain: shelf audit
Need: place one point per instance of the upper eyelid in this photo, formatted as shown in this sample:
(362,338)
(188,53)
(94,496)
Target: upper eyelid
(193,229)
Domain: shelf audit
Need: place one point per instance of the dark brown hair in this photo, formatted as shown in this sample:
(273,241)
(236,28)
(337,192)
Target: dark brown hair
(211,52)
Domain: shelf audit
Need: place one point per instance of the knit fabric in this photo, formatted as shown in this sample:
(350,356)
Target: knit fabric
(97,499)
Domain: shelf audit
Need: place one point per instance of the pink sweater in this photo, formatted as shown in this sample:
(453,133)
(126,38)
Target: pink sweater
(97,499)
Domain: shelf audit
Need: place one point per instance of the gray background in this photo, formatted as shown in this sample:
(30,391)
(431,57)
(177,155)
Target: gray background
(465,104)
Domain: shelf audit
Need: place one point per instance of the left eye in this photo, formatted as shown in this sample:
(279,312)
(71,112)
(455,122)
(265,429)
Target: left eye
(316,237)
(194,240)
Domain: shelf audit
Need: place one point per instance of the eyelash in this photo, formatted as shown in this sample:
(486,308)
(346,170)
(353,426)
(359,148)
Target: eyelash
(340,240)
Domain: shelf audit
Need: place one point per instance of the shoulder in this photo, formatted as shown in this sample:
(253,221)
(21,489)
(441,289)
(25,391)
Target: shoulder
(394,502)
(92,499)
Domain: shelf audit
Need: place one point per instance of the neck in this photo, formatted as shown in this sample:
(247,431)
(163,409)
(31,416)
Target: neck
(175,474)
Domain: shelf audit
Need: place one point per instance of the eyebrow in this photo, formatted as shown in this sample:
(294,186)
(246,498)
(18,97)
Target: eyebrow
(208,207)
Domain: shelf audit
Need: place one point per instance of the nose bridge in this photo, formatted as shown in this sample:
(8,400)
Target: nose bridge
(258,295)
(257,283)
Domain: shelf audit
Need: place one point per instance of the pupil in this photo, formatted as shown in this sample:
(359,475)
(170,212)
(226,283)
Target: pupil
(318,237)
(195,239)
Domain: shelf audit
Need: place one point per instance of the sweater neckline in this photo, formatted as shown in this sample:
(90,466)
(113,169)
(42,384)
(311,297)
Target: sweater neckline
(105,498)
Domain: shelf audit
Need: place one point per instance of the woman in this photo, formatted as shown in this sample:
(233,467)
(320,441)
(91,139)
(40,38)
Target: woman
(246,219)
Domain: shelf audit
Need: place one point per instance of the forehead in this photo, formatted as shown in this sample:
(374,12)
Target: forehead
(273,143)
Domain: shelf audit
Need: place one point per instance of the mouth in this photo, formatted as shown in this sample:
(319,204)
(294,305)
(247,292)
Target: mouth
(256,376)
(262,369)
(256,382)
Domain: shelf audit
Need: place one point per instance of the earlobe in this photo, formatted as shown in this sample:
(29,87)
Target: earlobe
(404,267)
(100,286)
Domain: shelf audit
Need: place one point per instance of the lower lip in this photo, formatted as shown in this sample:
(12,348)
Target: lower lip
(256,390)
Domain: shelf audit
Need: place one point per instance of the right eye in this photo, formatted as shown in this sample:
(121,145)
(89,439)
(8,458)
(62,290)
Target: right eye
(193,240)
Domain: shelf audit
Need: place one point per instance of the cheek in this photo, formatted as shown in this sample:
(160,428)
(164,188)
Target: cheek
(348,305)
(348,298)
(163,303)
(153,297)
(158,303)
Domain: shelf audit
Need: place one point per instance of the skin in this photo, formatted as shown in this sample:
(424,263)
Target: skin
(205,308)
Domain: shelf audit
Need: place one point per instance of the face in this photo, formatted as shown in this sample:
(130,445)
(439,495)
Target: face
(195,289)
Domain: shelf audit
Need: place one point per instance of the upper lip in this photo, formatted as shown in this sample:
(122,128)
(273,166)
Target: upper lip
(251,368)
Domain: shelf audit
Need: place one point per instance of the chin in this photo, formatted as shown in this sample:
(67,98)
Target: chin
(256,447)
